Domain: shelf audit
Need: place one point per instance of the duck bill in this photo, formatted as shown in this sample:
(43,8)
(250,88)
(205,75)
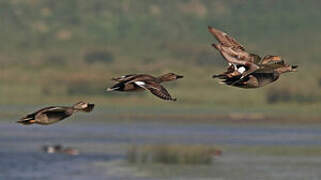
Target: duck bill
(89,108)
(294,68)
(179,77)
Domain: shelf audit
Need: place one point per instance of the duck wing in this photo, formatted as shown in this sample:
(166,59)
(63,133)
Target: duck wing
(133,77)
(33,114)
(54,112)
(156,89)
(127,77)
(232,50)
(225,39)
(127,82)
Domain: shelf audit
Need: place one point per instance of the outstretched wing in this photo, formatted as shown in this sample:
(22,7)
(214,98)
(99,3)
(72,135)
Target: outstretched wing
(225,39)
(52,112)
(156,89)
(127,77)
(55,112)
(234,53)
(232,50)
(33,114)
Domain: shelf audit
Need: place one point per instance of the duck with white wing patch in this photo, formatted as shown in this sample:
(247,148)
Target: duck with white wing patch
(136,82)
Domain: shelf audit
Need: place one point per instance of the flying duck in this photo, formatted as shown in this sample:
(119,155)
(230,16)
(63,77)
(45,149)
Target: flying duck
(234,52)
(53,114)
(135,82)
(267,74)
(242,63)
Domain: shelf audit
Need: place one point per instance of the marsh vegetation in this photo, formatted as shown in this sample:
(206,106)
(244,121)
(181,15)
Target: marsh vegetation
(173,154)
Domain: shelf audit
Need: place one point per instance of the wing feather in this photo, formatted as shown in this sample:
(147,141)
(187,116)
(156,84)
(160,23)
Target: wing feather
(53,112)
(225,39)
(124,78)
(156,89)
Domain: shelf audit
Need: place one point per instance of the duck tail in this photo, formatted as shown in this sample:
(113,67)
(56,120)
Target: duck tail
(233,80)
(116,87)
(215,46)
(220,76)
(112,89)
(27,120)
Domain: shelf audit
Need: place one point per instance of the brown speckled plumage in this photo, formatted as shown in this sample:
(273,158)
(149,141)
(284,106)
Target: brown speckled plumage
(135,82)
(53,114)
(258,71)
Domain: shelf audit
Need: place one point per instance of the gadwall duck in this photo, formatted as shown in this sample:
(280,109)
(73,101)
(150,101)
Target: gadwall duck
(267,74)
(243,64)
(51,149)
(53,114)
(135,82)
(240,61)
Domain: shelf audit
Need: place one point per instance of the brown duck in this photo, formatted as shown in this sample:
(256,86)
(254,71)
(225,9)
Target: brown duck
(51,149)
(266,74)
(234,53)
(135,82)
(53,114)
(242,63)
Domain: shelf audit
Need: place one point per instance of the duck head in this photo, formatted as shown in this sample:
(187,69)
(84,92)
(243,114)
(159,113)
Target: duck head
(83,106)
(294,68)
(287,68)
(169,77)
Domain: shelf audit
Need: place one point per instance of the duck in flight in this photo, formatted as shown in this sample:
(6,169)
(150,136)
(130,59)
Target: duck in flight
(265,75)
(234,53)
(135,82)
(242,64)
(53,114)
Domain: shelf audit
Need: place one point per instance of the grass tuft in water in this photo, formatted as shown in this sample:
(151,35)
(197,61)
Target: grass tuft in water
(173,154)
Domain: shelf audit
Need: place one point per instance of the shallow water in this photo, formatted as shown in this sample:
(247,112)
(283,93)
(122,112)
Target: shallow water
(106,143)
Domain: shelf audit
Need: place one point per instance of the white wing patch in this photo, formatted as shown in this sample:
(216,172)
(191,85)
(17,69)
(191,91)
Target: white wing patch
(241,69)
(140,83)
(54,108)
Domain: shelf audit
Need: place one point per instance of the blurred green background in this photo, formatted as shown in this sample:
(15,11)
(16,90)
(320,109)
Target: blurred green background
(59,52)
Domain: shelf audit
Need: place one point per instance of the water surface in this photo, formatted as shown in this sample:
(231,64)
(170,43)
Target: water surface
(107,143)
